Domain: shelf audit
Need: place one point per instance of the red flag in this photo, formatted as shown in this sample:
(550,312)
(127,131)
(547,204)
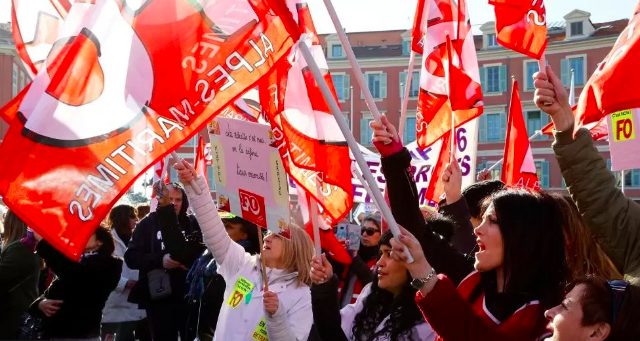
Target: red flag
(613,86)
(434,108)
(598,130)
(200,162)
(436,187)
(521,25)
(312,147)
(97,115)
(518,168)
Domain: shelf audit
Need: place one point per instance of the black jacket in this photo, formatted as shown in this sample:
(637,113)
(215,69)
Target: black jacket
(159,233)
(19,274)
(84,288)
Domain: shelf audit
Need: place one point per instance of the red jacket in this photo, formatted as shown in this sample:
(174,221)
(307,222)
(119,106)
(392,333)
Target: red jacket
(453,318)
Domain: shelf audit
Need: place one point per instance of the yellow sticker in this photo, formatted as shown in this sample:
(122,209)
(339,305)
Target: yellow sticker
(260,334)
(623,127)
(240,290)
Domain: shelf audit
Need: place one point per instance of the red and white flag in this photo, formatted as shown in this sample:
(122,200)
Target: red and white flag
(312,147)
(98,115)
(200,163)
(518,168)
(613,86)
(599,130)
(521,25)
(434,107)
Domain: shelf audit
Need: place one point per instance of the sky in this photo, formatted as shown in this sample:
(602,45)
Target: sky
(380,15)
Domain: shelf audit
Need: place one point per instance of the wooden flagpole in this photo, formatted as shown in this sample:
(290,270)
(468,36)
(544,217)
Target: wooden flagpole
(264,266)
(353,145)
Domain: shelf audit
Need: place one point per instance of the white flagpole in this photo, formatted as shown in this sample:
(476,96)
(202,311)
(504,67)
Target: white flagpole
(538,133)
(315,215)
(196,189)
(351,141)
(405,99)
(354,170)
(572,89)
(622,176)
(351,111)
(357,71)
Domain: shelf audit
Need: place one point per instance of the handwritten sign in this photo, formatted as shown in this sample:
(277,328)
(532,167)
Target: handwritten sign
(250,179)
(623,144)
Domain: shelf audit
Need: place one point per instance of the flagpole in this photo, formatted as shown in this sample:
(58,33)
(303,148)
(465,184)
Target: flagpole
(354,170)
(353,145)
(622,176)
(447,76)
(351,111)
(405,99)
(357,71)
(572,89)
(538,133)
(313,205)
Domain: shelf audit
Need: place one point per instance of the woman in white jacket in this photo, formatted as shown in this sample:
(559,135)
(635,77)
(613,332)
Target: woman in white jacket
(119,316)
(283,313)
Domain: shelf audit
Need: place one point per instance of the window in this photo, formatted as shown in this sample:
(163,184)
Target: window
(336,51)
(536,120)
(415,84)
(631,177)
(365,132)
(14,83)
(542,170)
(493,127)
(496,173)
(409,134)
(406,47)
(491,40)
(341,82)
(191,142)
(377,84)
(576,28)
(577,65)
(22,82)
(530,68)
(347,117)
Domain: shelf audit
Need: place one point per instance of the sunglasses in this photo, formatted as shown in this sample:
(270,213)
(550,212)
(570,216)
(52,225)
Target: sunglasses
(370,231)
(617,288)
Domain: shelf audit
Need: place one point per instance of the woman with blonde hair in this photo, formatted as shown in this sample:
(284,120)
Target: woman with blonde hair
(249,312)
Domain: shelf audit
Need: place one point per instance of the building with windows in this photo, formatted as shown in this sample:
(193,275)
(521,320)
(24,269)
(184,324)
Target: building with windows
(13,75)
(575,44)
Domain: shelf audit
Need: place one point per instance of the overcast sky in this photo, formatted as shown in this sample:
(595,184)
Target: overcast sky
(377,15)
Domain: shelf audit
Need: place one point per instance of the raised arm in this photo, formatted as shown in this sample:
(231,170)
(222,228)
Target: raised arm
(229,255)
(614,218)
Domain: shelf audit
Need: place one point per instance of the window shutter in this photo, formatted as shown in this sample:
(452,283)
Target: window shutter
(346,88)
(483,78)
(405,133)
(402,83)
(383,85)
(545,174)
(503,126)
(635,178)
(503,78)
(544,120)
(364,128)
(565,72)
(482,124)
(609,164)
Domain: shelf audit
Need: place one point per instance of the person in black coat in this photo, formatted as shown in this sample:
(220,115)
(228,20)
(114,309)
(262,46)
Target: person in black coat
(168,239)
(73,303)
(19,274)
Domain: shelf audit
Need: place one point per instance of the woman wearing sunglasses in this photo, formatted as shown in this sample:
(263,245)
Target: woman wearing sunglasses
(597,310)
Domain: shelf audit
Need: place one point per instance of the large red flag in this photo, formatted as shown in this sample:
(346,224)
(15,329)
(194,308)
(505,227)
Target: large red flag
(313,149)
(436,186)
(521,25)
(434,108)
(614,85)
(518,168)
(99,114)
(599,130)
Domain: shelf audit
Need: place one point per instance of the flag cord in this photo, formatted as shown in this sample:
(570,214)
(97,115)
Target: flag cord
(538,133)
(353,145)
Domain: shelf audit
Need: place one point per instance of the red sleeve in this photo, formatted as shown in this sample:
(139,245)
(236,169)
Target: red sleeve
(453,318)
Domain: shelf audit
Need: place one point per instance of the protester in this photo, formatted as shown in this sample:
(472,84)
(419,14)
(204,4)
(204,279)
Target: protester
(519,268)
(19,273)
(612,217)
(120,317)
(163,247)
(206,286)
(142,211)
(385,310)
(283,310)
(72,305)
(597,310)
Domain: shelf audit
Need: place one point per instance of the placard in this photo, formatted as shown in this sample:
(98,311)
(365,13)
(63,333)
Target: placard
(251,181)
(624,142)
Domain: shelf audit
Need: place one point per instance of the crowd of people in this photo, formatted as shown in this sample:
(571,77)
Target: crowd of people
(494,263)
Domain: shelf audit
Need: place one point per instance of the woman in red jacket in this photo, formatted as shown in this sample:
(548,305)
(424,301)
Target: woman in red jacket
(519,270)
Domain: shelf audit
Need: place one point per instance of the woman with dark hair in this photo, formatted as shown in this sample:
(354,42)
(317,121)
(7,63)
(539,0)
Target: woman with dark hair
(595,309)
(120,317)
(19,274)
(72,305)
(519,270)
(385,309)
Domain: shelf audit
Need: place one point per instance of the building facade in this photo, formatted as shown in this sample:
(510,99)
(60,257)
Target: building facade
(13,75)
(575,44)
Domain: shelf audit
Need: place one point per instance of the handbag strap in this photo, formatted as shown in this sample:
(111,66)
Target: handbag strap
(21,283)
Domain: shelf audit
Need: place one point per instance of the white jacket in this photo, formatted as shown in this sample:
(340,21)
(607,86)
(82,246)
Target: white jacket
(420,332)
(118,309)
(293,319)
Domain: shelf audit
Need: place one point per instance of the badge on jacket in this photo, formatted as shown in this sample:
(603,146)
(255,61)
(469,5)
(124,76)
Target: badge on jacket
(242,288)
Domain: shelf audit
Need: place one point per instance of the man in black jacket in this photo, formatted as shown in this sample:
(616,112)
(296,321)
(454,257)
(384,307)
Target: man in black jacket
(171,240)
